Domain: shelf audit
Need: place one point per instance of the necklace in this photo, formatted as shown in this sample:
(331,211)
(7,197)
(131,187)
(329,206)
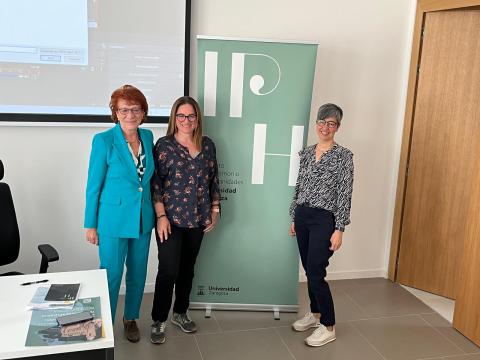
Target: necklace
(131,137)
(188,145)
(319,151)
(324,150)
(187,142)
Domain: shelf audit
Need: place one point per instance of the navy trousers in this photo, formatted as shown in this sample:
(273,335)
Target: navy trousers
(314,228)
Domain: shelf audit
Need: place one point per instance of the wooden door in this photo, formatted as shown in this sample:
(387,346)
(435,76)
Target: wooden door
(466,317)
(443,161)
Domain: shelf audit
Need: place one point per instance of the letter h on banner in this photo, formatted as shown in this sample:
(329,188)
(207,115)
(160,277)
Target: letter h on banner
(259,154)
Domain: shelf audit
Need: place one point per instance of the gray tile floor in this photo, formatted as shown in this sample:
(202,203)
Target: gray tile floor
(376,319)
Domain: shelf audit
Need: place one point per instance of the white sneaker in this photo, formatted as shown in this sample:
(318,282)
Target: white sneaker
(320,337)
(307,322)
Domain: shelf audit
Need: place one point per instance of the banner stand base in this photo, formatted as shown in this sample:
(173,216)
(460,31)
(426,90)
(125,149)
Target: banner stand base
(208,311)
(276,313)
(276,309)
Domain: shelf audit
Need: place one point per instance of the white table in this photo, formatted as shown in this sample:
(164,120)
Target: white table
(15,318)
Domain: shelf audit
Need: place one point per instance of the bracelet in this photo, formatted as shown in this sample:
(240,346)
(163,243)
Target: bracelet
(160,216)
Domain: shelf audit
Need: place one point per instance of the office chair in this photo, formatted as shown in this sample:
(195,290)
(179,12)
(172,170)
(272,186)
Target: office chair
(10,236)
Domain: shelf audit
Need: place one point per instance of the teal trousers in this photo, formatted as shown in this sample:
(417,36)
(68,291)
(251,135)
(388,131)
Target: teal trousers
(117,253)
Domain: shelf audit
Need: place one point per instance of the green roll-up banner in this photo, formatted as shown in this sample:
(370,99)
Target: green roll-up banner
(256,98)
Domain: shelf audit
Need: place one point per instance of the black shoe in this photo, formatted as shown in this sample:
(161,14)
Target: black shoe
(157,334)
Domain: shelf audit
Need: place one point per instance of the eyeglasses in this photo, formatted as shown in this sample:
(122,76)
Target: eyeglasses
(329,124)
(182,117)
(134,111)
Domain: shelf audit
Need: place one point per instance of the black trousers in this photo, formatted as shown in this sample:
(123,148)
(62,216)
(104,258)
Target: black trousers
(176,263)
(314,228)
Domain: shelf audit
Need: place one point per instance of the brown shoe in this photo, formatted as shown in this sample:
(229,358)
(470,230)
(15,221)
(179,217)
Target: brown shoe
(131,330)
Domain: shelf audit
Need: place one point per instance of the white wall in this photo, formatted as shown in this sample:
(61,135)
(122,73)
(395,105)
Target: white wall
(362,65)
(363,59)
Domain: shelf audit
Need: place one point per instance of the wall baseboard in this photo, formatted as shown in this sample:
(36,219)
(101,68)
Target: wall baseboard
(354,274)
(337,275)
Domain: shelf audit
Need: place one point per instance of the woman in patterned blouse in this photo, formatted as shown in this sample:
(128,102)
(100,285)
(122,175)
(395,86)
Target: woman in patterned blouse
(320,211)
(186,197)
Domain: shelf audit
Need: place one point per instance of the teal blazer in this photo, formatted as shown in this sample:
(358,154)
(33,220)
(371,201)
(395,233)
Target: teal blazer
(117,203)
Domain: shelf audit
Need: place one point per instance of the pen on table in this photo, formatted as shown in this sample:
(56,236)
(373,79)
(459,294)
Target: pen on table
(34,282)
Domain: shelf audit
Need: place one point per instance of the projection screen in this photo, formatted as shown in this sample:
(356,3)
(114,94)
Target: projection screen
(61,59)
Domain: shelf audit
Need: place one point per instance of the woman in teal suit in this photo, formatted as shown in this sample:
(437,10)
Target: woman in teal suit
(119,215)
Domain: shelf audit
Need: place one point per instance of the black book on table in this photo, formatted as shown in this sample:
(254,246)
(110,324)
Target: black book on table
(62,292)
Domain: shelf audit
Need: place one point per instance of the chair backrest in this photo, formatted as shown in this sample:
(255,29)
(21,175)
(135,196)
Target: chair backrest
(9,235)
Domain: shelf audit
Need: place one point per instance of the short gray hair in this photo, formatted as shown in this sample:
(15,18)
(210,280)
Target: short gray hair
(330,110)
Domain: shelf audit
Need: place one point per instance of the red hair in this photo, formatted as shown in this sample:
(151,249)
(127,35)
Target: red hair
(131,95)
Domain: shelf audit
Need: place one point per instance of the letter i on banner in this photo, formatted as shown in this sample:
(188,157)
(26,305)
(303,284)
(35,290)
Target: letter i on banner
(210,94)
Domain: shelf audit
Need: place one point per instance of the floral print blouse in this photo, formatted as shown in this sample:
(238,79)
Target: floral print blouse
(186,186)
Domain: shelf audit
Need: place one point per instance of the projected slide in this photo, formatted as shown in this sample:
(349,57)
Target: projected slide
(67,56)
(41,32)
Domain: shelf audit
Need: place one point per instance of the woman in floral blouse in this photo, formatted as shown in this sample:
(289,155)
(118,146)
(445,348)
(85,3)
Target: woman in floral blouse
(186,197)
